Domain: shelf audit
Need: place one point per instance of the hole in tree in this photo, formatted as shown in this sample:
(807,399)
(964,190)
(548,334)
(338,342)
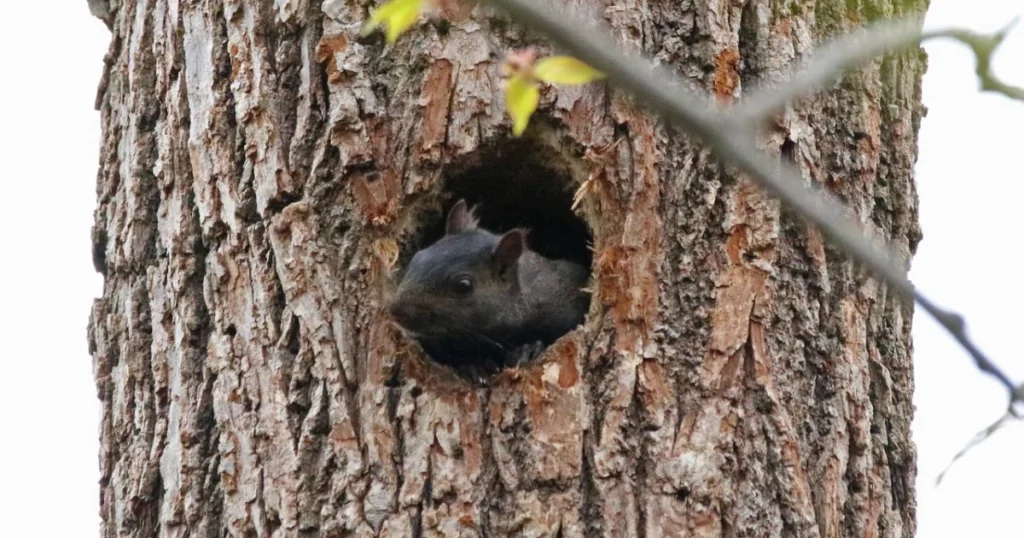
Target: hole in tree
(788,152)
(682,493)
(514,184)
(518,185)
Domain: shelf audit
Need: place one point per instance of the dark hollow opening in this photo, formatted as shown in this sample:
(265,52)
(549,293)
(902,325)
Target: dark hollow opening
(514,184)
(519,185)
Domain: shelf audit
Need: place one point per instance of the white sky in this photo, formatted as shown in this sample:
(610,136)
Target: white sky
(969,180)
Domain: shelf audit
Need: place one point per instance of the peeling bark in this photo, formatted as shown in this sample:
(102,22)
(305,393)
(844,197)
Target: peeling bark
(265,170)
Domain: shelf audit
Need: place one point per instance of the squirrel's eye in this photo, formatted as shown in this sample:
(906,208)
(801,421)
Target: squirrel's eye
(463,285)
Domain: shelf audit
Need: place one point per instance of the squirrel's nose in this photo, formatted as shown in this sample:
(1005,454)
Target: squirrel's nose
(408,316)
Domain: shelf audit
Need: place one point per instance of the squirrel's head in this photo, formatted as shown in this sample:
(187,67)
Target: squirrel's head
(466,284)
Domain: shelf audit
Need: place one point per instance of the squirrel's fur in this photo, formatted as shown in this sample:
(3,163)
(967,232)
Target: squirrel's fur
(515,299)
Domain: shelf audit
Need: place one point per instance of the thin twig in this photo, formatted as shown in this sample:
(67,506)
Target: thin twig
(978,438)
(669,96)
(984,46)
(839,55)
(827,64)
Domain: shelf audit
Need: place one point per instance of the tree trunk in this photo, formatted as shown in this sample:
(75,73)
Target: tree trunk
(265,172)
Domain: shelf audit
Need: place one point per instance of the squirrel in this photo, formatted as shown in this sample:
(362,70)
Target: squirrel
(477,301)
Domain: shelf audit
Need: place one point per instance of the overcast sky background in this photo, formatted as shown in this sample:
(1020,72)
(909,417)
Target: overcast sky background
(969,181)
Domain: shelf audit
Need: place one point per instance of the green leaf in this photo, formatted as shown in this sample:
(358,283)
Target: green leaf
(565,70)
(399,15)
(521,97)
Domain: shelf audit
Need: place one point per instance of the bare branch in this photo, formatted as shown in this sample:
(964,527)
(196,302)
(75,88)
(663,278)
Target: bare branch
(831,60)
(828,62)
(984,46)
(1017,403)
(978,438)
(670,97)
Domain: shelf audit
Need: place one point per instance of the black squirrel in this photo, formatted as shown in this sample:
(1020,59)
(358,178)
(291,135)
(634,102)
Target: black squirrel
(478,301)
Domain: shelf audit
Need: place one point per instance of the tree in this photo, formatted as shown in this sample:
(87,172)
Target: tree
(265,171)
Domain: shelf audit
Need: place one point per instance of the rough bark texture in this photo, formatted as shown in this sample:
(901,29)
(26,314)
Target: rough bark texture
(264,170)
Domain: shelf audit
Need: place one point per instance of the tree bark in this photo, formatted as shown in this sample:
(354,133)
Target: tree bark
(265,172)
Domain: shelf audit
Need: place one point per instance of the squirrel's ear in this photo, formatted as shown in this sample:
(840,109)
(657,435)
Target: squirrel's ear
(461,218)
(510,247)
